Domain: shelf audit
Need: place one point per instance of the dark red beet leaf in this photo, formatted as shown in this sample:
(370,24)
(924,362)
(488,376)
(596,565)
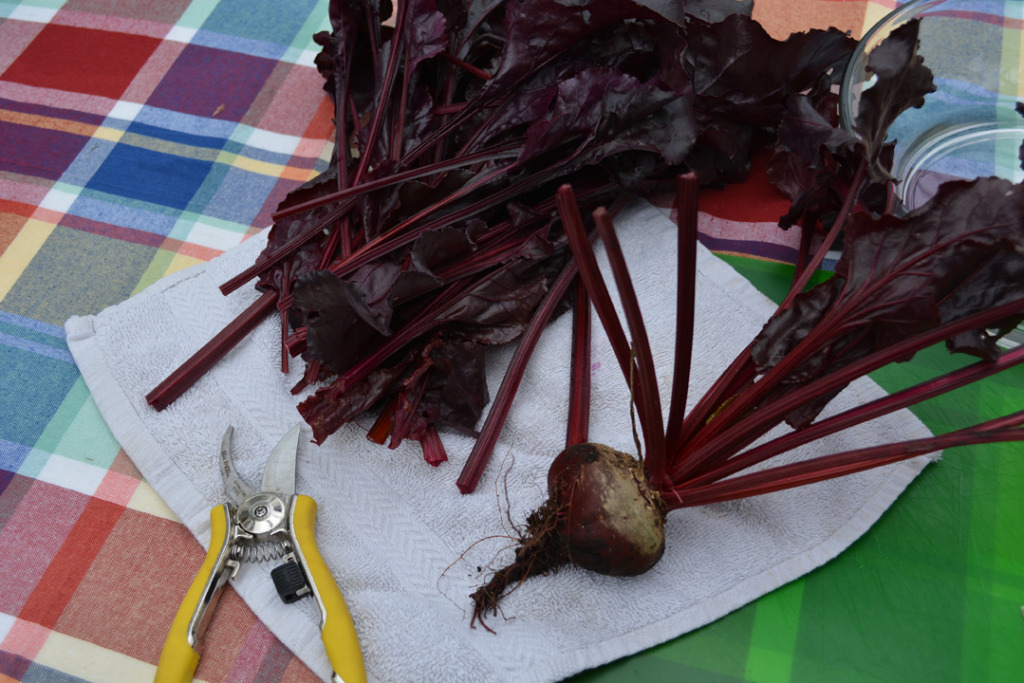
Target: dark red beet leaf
(449,151)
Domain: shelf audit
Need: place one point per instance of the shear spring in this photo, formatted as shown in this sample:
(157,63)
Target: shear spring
(259,552)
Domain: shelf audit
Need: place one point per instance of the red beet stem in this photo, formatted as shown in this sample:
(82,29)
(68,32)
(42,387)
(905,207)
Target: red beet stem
(743,427)
(808,271)
(1006,428)
(741,368)
(590,275)
(179,381)
(646,384)
(578,428)
(686,278)
(378,433)
(347,199)
(428,317)
(401,234)
(465,66)
(281,253)
(390,72)
(494,154)
(502,403)
(860,414)
(433,448)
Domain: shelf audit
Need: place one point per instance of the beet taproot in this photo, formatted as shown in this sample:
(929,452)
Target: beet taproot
(614,521)
(601,514)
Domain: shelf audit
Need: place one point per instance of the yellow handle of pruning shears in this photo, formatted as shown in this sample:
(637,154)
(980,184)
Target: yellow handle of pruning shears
(179,658)
(337,628)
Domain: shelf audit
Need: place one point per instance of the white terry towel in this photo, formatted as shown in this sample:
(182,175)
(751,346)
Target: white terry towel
(406,548)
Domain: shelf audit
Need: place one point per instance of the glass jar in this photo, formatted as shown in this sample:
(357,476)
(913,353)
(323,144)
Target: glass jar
(969,127)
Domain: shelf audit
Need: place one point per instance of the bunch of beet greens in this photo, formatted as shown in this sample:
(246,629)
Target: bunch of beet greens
(434,233)
(476,141)
(951,271)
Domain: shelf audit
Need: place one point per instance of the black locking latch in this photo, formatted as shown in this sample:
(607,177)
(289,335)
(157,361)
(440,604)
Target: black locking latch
(290,583)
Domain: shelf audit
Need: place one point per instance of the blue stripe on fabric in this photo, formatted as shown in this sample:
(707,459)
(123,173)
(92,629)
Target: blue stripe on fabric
(12,455)
(188,124)
(135,214)
(152,177)
(176,136)
(36,337)
(263,20)
(239,196)
(764,250)
(956,91)
(31,324)
(244,46)
(45,382)
(89,159)
(16,342)
(38,673)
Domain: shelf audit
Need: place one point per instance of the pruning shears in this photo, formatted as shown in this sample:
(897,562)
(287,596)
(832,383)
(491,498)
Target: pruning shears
(257,526)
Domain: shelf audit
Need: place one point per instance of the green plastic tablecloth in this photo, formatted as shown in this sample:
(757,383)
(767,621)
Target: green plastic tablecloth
(934,592)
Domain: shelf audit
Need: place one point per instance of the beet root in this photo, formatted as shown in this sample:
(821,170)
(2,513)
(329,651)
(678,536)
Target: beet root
(601,514)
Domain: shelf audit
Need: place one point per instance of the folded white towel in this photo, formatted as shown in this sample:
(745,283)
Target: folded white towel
(406,547)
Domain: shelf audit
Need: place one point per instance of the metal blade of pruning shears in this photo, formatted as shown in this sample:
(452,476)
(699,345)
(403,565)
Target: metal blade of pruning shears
(234,486)
(279,475)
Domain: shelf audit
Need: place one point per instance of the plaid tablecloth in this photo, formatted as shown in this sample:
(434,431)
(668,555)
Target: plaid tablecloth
(138,138)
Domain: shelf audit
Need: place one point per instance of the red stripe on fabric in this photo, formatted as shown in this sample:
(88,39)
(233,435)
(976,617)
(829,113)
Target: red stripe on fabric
(123,465)
(22,189)
(252,654)
(109,22)
(297,671)
(81,60)
(136,582)
(117,232)
(321,127)
(280,190)
(196,251)
(279,664)
(71,563)
(16,208)
(117,488)
(90,104)
(15,35)
(231,625)
(39,517)
(153,71)
(755,200)
(299,90)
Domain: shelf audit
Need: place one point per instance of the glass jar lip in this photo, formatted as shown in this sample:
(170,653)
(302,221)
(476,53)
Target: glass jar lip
(921,158)
(867,43)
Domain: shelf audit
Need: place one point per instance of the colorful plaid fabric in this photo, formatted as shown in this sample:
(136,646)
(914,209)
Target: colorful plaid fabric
(138,138)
